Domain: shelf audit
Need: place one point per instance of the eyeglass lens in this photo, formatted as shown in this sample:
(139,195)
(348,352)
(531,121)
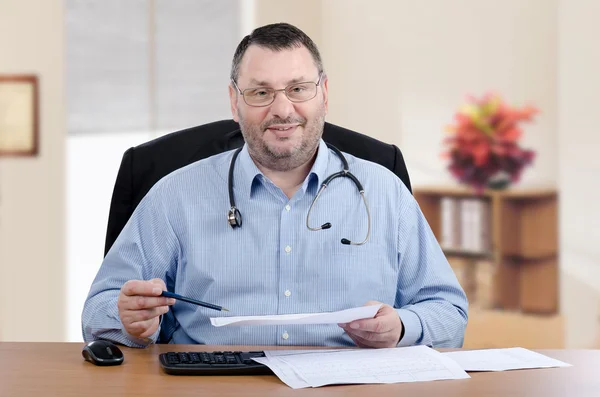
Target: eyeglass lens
(299,92)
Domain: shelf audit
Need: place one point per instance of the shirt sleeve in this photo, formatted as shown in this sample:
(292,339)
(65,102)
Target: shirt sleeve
(147,248)
(431,303)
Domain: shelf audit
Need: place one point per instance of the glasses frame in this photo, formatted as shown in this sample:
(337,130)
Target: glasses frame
(284,90)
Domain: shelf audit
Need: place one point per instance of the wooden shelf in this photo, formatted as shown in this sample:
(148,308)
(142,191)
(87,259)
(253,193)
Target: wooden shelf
(468,254)
(523,230)
(503,328)
(460,191)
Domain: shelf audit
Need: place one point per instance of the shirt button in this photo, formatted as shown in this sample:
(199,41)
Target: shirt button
(285,335)
(287,207)
(287,293)
(288,249)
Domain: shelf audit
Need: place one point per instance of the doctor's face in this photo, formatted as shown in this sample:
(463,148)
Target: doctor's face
(282,129)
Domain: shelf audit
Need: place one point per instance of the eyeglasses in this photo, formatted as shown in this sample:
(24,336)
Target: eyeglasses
(264,96)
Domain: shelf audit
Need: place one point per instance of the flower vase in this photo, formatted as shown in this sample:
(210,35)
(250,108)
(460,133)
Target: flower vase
(499,181)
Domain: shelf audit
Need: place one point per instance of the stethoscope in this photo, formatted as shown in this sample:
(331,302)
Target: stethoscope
(234,216)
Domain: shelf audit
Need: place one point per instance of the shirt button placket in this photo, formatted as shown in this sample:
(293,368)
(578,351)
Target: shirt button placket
(286,279)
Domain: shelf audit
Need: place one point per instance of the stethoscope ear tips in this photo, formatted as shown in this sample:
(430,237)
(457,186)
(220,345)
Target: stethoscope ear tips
(345,241)
(326,226)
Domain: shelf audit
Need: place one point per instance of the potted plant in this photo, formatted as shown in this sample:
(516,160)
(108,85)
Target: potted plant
(482,145)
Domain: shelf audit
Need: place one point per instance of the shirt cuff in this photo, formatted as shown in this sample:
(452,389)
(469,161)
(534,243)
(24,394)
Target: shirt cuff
(413,330)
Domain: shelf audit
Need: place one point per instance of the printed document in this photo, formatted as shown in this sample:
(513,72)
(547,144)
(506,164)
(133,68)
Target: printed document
(299,369)
(342,316)
(503,359)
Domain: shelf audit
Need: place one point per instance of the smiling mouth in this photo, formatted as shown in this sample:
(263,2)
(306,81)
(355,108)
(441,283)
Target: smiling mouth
(283,131)
(282,127)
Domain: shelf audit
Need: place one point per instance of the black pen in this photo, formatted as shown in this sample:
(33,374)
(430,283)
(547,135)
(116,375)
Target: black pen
(194,301)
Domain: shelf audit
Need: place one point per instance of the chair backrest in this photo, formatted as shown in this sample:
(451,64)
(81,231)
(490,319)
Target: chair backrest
(144,165)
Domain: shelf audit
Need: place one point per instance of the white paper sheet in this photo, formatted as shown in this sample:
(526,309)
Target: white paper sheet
(503,359)
(283,371)
(354,366)
(342,316)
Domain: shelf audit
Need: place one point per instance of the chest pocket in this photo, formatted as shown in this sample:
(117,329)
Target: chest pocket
(354,275)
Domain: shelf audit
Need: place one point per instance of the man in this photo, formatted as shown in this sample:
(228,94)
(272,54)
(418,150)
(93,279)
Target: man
(144,165)
(285,255)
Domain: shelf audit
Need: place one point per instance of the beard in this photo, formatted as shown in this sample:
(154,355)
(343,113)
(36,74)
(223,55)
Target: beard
(287,159)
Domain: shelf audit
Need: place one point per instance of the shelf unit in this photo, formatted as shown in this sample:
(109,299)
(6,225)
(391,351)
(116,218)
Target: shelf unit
(524,243)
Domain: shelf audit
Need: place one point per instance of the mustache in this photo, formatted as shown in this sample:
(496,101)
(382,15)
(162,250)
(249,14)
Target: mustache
(278,121)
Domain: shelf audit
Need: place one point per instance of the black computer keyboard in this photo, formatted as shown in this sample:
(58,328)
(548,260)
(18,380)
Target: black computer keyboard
(213,363)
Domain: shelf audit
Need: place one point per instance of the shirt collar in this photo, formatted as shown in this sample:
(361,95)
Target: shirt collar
(247,176)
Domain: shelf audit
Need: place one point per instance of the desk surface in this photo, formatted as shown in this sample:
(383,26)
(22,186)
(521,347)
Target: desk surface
(58,369)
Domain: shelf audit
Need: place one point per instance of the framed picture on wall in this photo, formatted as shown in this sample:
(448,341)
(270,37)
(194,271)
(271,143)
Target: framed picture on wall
(19,124)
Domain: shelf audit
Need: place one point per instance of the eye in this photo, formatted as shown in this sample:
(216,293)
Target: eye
(258,92)
(297,89)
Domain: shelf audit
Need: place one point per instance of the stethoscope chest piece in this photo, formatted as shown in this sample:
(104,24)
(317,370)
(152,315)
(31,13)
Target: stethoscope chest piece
(234,217)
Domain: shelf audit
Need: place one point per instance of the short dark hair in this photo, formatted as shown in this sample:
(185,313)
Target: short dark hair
(276,37)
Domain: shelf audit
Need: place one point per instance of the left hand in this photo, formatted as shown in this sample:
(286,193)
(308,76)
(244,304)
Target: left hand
(383,330)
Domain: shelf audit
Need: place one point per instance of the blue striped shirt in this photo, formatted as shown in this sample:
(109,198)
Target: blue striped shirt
(274,264)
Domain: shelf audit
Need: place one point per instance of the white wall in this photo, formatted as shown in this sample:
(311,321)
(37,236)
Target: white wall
(579,166)
(32,226)
(362,50)
(399,69)
(305,14)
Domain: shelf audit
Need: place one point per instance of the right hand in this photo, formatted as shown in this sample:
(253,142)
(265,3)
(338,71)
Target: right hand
(140,306)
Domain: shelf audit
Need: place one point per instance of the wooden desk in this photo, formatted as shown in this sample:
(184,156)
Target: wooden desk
(58,369)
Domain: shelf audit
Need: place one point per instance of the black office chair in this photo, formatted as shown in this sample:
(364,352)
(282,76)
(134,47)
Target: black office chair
(144,165)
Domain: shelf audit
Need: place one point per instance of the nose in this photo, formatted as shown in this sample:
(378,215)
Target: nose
(281,107)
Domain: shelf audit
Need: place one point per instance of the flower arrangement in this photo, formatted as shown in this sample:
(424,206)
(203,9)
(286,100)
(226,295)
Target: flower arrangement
(483,143)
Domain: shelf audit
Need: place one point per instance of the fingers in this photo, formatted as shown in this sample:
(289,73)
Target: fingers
(140,306)
(143,329)
(378,325)
(133,316)
(145,288)
(358,342)
(383,330)
(375,330)
(368,336)
(141,295)
(371,339)
(384,321)
(366,343)
(142,323)
(145,302)
(160,282)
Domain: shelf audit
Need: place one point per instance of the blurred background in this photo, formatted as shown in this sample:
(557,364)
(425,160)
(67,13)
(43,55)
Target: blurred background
(115,73)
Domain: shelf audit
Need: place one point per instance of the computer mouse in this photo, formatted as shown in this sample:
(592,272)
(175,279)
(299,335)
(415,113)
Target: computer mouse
(102,352)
